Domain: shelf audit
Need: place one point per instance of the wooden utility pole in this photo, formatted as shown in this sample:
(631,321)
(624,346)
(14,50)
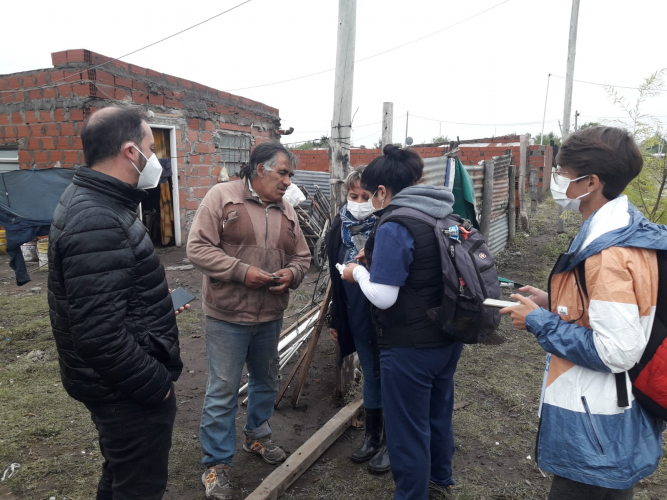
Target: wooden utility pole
(341,125)
(576,120)
(341,135)
(569,75)
(569,83)
(387,123)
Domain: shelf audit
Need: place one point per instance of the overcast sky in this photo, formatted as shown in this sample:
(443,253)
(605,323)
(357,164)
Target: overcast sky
(490,71)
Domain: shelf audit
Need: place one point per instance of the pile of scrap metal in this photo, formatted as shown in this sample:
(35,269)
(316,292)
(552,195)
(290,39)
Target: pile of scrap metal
(314,219)
(292,339)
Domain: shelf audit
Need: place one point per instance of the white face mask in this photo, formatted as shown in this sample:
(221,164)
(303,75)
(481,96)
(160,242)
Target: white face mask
(371,202)
(559,190)
(360,211)
(149,177)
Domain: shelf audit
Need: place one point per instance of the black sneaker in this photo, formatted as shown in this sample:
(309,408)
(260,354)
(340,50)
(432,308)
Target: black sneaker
(438,492)
(217,483)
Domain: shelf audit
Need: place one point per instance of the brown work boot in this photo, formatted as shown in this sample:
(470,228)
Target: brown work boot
(265,448)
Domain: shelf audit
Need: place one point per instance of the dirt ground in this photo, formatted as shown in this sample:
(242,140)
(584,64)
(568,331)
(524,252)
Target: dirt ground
(498,383)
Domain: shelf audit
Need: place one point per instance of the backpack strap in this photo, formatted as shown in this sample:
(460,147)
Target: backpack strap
(621,387)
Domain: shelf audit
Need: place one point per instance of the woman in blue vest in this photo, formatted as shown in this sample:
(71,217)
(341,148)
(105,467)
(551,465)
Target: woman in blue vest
(351,324)
(417,363)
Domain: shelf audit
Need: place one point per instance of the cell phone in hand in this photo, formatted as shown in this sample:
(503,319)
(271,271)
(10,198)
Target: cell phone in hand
(181,297)
(500,304)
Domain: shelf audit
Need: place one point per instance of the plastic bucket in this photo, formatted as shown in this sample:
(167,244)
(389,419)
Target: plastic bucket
(43,251)
(3,242)
(29,251)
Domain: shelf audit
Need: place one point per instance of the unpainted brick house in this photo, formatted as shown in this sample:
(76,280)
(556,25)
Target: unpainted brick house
(202,130)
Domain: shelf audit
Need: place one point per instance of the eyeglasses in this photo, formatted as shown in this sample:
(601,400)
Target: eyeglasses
(557,171)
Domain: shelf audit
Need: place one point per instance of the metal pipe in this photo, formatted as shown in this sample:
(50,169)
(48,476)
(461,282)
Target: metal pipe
(544,116)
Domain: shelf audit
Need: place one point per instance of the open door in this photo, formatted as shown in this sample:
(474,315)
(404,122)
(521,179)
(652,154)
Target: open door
(158,208)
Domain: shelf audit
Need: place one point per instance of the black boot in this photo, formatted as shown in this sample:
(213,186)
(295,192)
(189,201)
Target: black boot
(372,438)
(379,464)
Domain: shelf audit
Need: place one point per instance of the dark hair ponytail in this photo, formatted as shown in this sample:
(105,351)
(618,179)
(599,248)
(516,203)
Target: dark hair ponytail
(396,170)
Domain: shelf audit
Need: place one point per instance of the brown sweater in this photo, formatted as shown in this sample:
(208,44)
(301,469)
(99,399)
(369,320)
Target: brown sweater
(232,231)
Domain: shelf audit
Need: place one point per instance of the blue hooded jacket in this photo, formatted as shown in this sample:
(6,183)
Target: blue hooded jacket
(584,436)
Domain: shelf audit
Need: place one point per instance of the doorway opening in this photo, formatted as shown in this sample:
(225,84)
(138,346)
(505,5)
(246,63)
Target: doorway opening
(160,211)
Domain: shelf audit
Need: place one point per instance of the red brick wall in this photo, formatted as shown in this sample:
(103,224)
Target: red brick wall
(473,155)
(318,159)
(45,123)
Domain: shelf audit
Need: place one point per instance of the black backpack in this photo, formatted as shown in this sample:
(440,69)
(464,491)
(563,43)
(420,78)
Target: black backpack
(469,276)
(649,376)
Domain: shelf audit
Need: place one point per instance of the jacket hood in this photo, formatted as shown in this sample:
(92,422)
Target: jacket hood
(616,224)
(437,201)
(127,193)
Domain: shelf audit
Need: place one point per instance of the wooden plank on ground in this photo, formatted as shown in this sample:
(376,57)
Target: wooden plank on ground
(298,462)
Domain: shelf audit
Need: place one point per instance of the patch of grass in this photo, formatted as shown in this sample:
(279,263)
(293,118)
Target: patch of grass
(25,325)
(189,322)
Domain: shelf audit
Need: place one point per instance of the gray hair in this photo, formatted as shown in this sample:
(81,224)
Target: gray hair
(353,177)
(267,154)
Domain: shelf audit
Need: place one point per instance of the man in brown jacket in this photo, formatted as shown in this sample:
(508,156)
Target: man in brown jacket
(248,244)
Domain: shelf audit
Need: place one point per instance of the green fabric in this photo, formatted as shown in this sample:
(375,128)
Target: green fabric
(464,194)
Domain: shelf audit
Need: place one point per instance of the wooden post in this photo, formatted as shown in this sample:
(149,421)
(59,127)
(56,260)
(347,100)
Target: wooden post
(523,157)
(341,125)
(312,346)
(569,75)
(298,462)
(341,135)
(533,191)
(569,82)
(487,199)
(511,211)
(387,123)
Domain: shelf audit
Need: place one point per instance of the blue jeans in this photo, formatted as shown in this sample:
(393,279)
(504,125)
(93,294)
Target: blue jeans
(372,389)
(418,396)
(229,346)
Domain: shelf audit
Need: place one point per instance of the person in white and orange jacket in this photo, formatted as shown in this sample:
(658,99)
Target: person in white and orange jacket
(595,448)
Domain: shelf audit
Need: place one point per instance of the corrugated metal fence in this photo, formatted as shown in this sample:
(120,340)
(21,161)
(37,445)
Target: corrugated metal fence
(499,228)
(310,179)
(435,171)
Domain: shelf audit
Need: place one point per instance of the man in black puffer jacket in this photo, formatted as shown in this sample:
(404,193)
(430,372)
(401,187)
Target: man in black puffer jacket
(111,312)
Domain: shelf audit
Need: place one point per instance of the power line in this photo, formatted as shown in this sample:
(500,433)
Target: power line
(374,55)
(353,127)
(54,84)
(603,84)
(483,124)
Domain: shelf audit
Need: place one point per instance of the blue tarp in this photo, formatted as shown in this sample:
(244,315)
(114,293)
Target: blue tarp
(28,199)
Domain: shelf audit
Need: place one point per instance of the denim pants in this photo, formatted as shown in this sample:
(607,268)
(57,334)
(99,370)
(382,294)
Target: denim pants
(229,346)
(372,389)
(134,440)
(418,397)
